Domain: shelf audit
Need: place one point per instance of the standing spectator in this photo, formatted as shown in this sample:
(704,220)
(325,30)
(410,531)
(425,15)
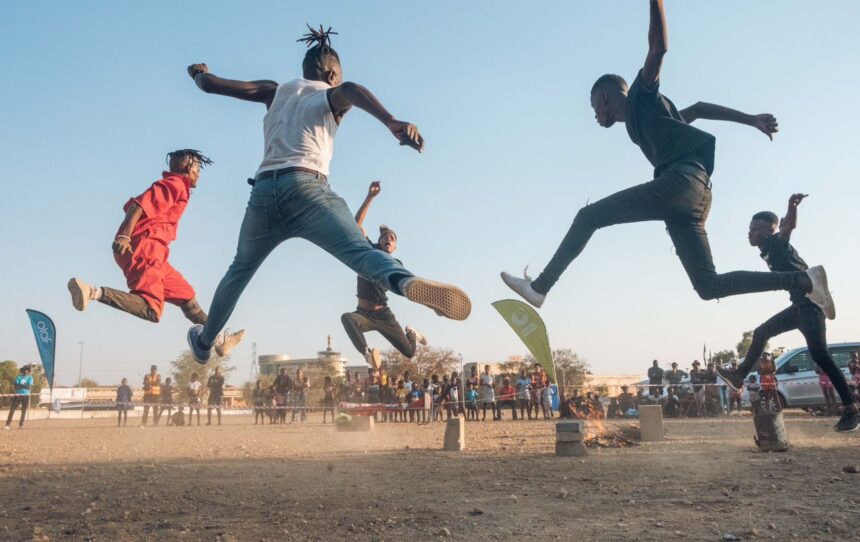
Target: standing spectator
(471,397)
(123,402)
(328,398)
(473,379)
(488,392)
(216,395)
(726,395)
(454,394)
(655,378)
(167,391)
(508,398)
(524,391)
(712,394)
(830,408)
(416,404)
(281,387)
(193,392)
(854,366)
(698,378)
(346,389)
(546,397)
(258,395)
(300,397)
(444,391)
(539,382)
(151,395)
(734,395)
(23,384)
(433,389)
(675,375)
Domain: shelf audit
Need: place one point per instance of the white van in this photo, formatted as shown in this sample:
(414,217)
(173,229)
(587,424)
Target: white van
(797,381)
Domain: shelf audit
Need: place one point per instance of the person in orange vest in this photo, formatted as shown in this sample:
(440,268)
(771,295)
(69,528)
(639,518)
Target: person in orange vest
(151,395)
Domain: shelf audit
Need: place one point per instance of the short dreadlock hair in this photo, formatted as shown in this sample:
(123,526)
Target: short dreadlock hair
(320,54)
(192,153)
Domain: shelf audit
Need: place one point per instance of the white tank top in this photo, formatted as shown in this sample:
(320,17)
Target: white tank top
(299,127)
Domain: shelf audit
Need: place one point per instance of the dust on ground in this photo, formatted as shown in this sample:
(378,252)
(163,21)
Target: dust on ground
(88,480)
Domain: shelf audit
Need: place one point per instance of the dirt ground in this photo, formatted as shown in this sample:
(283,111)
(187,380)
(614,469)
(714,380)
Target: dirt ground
(87,480)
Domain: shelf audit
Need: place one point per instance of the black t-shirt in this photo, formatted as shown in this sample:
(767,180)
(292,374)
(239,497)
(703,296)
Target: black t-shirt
(216,386)
(655,375)
(781,256)
(371,291)
(661,132)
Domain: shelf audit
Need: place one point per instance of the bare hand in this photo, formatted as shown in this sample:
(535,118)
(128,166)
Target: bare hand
(196,68)
(374,189)
(121,245)
(407,134)
(795,199)
(766,124)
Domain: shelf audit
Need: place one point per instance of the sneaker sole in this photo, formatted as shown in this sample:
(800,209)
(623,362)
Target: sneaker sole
(191,347)
(447,300)
(829,305)
(224,349)
(854,430)
(510,282)
(79,300)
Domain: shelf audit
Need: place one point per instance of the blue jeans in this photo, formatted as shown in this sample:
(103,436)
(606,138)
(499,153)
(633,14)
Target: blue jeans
(297,204)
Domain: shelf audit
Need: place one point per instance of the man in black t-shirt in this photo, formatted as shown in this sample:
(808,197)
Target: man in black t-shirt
(216,395)
(655,378)
(679,195)
(802,315)
(372,313)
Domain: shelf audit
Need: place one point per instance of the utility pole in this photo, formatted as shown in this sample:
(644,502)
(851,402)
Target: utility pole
(80,362)
(254,370)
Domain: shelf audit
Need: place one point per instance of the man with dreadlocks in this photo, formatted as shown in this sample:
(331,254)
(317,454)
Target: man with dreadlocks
(372,313)
(141,247)
(679,195)
(291,196)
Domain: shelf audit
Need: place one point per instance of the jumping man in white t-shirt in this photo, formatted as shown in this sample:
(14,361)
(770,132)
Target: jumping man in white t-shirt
(291,196)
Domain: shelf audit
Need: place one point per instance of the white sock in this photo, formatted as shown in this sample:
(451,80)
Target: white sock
(95,294)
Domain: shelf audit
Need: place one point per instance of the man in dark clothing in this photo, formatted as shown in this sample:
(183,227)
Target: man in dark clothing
(675,375)
(679,195)
(216,395)
(698,378)
(372,313)
(802,315)
(281,387)
(655,378)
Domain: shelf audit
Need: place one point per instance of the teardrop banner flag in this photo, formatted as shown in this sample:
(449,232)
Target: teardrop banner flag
(530,328)
(46,335)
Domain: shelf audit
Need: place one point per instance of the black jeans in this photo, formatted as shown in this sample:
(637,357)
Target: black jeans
(24,401)
(680,197)
(809,320)
(361,321)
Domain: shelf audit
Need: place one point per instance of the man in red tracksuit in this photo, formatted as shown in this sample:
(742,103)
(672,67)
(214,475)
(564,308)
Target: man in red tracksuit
(141,249)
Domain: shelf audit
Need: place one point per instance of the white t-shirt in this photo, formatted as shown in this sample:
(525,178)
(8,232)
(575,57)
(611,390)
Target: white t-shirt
(194,389)
(299,128)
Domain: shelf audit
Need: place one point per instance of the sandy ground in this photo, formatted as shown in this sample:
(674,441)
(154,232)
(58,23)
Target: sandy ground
(87,480)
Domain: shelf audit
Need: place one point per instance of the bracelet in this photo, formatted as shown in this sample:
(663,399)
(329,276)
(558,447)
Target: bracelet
(126,237)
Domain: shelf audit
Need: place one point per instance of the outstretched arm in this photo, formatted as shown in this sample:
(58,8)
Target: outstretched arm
(253,91)
(764,122)
(372,191)
(658,44)
(349,94)
(790,221)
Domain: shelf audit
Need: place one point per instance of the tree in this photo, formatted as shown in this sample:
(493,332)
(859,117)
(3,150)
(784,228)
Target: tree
(513,366)
(89,383)
(571,370)
(266,382)
(744,346)
(184,366)
(723,356)
(427,361)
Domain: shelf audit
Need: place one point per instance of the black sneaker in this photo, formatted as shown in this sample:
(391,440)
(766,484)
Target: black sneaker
(732,378)
(849,422)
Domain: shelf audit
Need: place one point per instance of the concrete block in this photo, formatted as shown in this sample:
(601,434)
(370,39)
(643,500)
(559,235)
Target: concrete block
(567,436)
(455,434)
(570,449)
(358,423)
(570,426)
(651,423)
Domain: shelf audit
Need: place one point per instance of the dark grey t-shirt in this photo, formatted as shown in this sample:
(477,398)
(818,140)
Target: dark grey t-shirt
(371,291)
(781,256)
(661,132)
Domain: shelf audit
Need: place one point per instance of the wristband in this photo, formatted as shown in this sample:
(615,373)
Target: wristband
(126,237)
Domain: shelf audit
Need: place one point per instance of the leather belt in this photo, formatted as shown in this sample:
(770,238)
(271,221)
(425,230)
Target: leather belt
(283,171)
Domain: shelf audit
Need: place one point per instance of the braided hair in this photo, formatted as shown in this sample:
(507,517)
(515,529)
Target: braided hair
(195,155)
(320,54)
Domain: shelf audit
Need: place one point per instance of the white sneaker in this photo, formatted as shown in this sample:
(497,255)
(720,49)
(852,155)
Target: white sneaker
(81,293)
(226,341)
(419,338)
(447,300)
(373,358)
(820,294)
(5,428)
(523,287)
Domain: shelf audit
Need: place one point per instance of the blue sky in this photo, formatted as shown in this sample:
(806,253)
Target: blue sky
(96,93)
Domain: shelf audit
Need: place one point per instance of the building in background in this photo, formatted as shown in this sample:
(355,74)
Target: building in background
(334,362)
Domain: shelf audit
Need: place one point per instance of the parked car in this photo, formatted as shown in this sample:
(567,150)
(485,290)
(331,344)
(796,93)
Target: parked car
(797,381)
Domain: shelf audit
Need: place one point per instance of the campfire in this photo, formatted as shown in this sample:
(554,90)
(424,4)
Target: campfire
(598,435)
